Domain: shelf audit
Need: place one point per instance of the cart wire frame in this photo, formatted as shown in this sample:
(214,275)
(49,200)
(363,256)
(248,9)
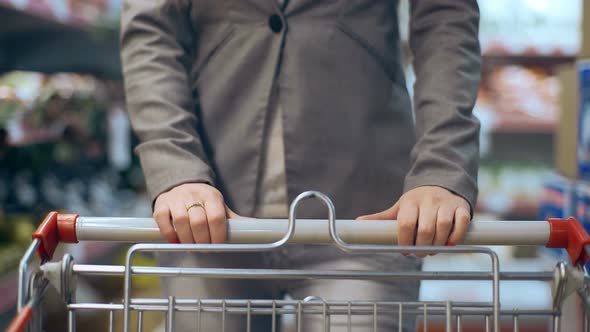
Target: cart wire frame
(35,280)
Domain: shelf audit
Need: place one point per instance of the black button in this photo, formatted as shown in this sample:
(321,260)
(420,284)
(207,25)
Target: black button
(275,23)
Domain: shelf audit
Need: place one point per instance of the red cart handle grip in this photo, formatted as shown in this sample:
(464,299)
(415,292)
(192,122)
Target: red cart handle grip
(54,229)
(570,235)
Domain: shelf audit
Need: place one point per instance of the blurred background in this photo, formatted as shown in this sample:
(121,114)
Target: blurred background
(66,143)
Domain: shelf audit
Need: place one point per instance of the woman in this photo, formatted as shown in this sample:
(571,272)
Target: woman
(241,105)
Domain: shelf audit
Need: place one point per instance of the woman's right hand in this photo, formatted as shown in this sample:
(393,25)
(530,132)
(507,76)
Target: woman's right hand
(192,213)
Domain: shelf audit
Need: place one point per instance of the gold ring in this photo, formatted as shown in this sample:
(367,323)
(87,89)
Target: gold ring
(200,204)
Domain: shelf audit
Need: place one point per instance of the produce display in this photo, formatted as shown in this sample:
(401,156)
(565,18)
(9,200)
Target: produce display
(55,154)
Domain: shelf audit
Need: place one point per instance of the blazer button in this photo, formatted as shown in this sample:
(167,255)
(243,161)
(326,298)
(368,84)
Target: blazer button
(276,23)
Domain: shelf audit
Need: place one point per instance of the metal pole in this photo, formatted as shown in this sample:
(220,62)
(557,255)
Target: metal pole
(449,317)
(23,276)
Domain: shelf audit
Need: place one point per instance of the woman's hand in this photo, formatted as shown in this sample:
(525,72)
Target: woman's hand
(192,213)
(440,217)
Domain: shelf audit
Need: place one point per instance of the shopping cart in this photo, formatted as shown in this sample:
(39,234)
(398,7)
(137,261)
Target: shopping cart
(266,235)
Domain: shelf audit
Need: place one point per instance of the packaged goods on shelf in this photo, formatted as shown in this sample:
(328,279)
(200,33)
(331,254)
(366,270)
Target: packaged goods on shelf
(558,199)
(584,119)
(583,203)
(516,98)
(527,90)
(511,189)
(530,27)
(583,206)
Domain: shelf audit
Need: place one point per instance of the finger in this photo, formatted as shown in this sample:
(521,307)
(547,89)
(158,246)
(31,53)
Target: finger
(198,224)
(216,220)
(230,214)
(426,225)
(444,223)
(462,219)
(407,218)
(389,214)
(181,223)
(162,217)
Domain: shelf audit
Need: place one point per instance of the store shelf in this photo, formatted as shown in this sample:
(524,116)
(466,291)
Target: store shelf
(542,60)
(35,38)
(521,209)
(524,209)
(522,123)
(37,136)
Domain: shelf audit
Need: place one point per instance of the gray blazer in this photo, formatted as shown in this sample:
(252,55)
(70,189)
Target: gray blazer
(199,74)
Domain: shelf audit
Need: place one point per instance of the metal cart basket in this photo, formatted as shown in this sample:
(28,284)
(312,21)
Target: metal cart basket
(266,235)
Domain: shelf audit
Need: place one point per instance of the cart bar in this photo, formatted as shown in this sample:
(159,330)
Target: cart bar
(119,270)
(554,233)
(313,231)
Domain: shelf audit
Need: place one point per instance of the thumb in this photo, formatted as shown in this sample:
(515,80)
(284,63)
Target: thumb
(389,214)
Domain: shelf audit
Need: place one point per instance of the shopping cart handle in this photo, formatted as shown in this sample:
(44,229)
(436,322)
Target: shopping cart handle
(570,235)
(553,233)
(55,228)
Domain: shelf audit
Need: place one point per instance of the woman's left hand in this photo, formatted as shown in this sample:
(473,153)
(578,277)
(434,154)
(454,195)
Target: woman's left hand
(437,215)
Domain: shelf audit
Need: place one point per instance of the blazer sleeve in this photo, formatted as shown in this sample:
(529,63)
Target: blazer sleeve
(444,42)
(156,43)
